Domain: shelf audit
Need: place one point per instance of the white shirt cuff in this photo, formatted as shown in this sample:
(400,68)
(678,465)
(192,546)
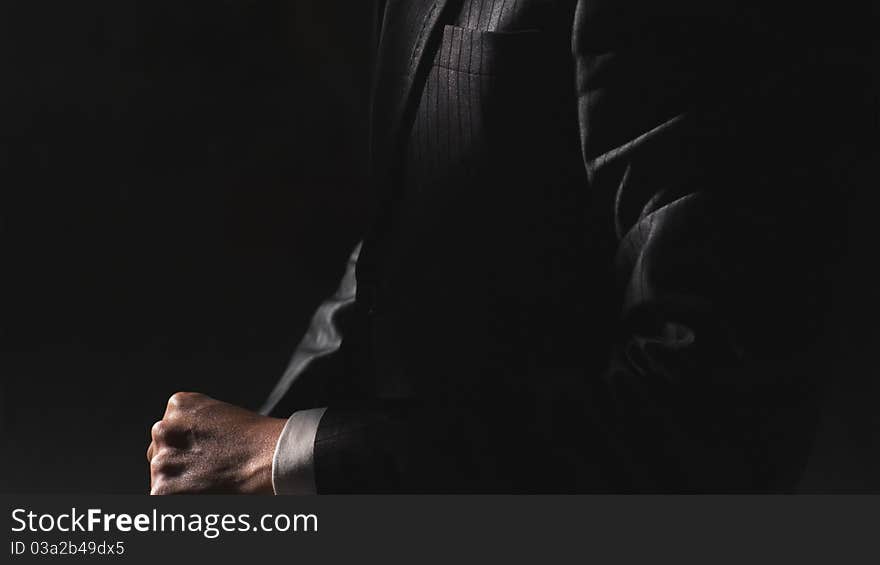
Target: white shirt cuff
(293,468)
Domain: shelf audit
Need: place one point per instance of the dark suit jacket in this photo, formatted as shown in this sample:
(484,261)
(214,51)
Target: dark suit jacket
(618,283)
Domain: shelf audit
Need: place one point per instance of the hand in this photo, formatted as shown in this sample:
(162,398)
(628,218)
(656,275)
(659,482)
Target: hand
(202,445)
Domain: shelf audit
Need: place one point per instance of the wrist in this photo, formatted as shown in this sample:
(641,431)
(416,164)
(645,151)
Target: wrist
(257,474)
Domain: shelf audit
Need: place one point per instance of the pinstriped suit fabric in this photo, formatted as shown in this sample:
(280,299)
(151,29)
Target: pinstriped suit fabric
(449,115)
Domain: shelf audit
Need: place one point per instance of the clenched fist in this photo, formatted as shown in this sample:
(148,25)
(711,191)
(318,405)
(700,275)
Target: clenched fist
(202,445)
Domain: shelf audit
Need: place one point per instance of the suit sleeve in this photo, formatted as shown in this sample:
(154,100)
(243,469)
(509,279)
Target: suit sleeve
(728,222)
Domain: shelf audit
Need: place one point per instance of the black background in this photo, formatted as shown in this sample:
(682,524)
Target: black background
(181,183)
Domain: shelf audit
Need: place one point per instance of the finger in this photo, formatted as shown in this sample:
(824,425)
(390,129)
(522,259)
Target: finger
(150,449)
(172,479)
(176,434)
(152,473)
(167,462)
(158,431)
(163,486)
(166,472)
(159,487)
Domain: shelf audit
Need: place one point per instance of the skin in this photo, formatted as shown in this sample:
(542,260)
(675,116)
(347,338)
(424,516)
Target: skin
(203,445)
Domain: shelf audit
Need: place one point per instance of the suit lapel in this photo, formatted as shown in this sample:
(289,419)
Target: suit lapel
(410,33)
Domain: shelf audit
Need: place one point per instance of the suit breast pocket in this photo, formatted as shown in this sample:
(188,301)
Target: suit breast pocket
(496,91)
(492,53)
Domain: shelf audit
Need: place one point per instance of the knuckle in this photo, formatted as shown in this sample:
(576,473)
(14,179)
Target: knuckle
(160,463)
(184,400)
(159,431)
(159,487)
(178,399)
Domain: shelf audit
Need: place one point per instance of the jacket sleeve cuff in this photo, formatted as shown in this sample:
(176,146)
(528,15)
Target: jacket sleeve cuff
(293,464)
